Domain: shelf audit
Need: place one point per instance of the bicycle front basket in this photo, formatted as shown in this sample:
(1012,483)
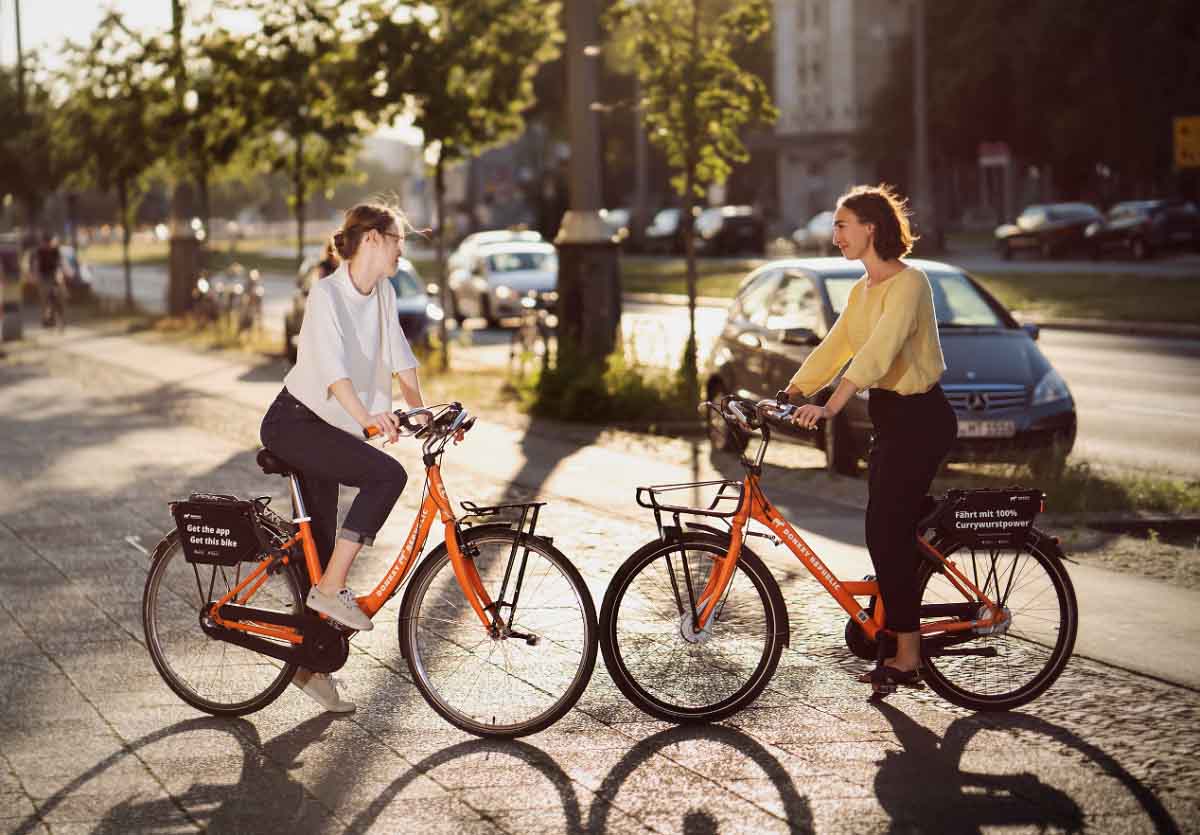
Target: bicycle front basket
(218,530)
(991,518)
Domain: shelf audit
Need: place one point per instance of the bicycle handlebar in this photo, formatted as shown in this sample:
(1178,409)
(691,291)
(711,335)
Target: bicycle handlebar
(445,423)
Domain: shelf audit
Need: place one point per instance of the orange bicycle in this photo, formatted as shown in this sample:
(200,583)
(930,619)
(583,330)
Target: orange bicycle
(497,626)
(693,624)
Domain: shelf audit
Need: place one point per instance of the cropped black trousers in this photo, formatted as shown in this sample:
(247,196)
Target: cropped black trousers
(326,457)
(913,434)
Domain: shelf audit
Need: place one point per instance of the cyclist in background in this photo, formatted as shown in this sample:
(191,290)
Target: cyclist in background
(888,333)
(349,349)
(47,263)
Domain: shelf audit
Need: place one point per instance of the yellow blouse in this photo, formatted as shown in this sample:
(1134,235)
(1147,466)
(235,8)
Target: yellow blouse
(891,332)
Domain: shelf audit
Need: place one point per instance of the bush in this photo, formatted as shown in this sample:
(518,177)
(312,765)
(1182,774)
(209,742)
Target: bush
(619,392)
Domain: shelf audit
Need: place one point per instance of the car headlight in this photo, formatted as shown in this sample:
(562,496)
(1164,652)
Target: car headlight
(1092,229)
(434,312)
(1050,389)
(503,292)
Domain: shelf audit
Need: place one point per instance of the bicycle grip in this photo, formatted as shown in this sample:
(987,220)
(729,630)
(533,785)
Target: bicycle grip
(370,432)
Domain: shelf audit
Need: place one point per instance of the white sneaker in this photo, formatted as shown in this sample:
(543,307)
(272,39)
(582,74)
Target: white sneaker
(341,607)
(322,689)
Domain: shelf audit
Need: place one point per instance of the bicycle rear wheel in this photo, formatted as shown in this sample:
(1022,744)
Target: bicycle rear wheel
(1018,661)
(211,675)
(652,649)
(500,685)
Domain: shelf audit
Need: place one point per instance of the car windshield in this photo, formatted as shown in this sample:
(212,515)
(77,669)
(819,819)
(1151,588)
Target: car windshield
(955,300)
(405,284)
(507,262)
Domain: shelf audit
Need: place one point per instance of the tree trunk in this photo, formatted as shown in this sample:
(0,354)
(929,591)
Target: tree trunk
(126,234)
(691,376)
(439,192)
(298,184)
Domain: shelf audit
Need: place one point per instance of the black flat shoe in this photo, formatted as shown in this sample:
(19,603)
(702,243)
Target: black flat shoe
(884,679)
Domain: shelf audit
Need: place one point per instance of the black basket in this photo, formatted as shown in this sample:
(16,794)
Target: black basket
(990,519)
(218,530)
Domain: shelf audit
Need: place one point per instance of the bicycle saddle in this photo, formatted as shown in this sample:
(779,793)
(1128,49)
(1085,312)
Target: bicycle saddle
(272,464)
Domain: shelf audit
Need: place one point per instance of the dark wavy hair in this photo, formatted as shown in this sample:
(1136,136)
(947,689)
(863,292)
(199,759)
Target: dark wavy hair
(884,208)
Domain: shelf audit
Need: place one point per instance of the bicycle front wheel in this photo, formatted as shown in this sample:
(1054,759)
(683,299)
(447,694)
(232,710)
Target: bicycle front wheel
(211,675)
(1010,665)
(517,681)
(657,657)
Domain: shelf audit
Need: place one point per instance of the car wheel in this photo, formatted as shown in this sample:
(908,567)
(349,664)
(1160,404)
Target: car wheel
(841,457)
(489,315)
(1140,249)
(1046,248)
(721,435)
(1048,465)
(455,311)
(1005,251)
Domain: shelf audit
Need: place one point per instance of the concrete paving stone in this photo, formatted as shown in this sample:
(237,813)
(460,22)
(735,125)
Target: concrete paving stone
(50,756)
(134,807)
(615,822)
(435,816)
(106,777)
(678,810)
(14,805)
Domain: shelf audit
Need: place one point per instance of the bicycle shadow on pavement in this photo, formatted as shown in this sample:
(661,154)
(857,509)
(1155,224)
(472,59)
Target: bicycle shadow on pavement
(926,787)
(263,799)
(489,752)
(702,748)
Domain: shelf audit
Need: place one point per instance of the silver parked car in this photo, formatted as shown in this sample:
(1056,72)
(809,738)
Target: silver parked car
(499,275)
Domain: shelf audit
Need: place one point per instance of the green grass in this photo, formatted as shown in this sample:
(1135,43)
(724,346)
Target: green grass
(669,275)
(1084,489)
(1099,295)
(1112,296)
(250,253)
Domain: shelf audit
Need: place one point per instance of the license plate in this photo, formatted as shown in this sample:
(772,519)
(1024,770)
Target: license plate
(987,428)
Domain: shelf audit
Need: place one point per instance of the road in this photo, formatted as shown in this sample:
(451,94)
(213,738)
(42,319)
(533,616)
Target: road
(1138,397)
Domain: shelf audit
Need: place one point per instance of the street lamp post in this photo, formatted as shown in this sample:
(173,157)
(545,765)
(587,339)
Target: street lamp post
(588,274)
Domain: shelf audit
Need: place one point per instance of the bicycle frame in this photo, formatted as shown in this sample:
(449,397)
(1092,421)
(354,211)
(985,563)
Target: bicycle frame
(754,505)
(435,503)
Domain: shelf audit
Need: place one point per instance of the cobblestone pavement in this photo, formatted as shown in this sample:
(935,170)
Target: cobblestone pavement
(92,740)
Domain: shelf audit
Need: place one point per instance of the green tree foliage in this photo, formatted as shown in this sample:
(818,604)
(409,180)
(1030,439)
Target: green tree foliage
(30,167)
(696,98)
(464,70)
(298,86)
(1063,82)
(106,126)
(202,122)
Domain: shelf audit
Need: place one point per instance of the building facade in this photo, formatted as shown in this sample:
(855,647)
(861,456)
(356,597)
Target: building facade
(831,58)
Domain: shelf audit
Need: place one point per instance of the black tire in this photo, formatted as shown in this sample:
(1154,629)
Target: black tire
(1005,251)
(1140,249)
(640,614)
(186,658)
(439,631)
(485,310)
(721,435)
(1006,670)
(841,454)
(1046,248)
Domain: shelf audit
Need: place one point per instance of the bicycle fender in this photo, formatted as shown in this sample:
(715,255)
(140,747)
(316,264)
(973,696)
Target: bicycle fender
(441,552)
(722,539)
(167,541)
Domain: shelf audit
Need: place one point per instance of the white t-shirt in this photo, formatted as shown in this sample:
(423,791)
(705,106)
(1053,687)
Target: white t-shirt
(348,335)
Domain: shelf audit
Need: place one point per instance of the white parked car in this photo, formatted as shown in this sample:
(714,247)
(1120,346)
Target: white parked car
(468,246)
(499,276)
(816,235)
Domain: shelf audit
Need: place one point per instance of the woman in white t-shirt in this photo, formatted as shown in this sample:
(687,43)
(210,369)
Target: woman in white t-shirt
(349,349)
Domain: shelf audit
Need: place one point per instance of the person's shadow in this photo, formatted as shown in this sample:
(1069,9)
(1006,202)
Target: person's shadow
(925,787)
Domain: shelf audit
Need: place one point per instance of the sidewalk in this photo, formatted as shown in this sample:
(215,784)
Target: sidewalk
(1137,624)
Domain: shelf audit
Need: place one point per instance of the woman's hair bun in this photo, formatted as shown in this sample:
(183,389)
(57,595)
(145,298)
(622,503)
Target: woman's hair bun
(339,243)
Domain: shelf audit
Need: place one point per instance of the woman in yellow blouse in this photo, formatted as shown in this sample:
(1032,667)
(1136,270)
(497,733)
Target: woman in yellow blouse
(888,334)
